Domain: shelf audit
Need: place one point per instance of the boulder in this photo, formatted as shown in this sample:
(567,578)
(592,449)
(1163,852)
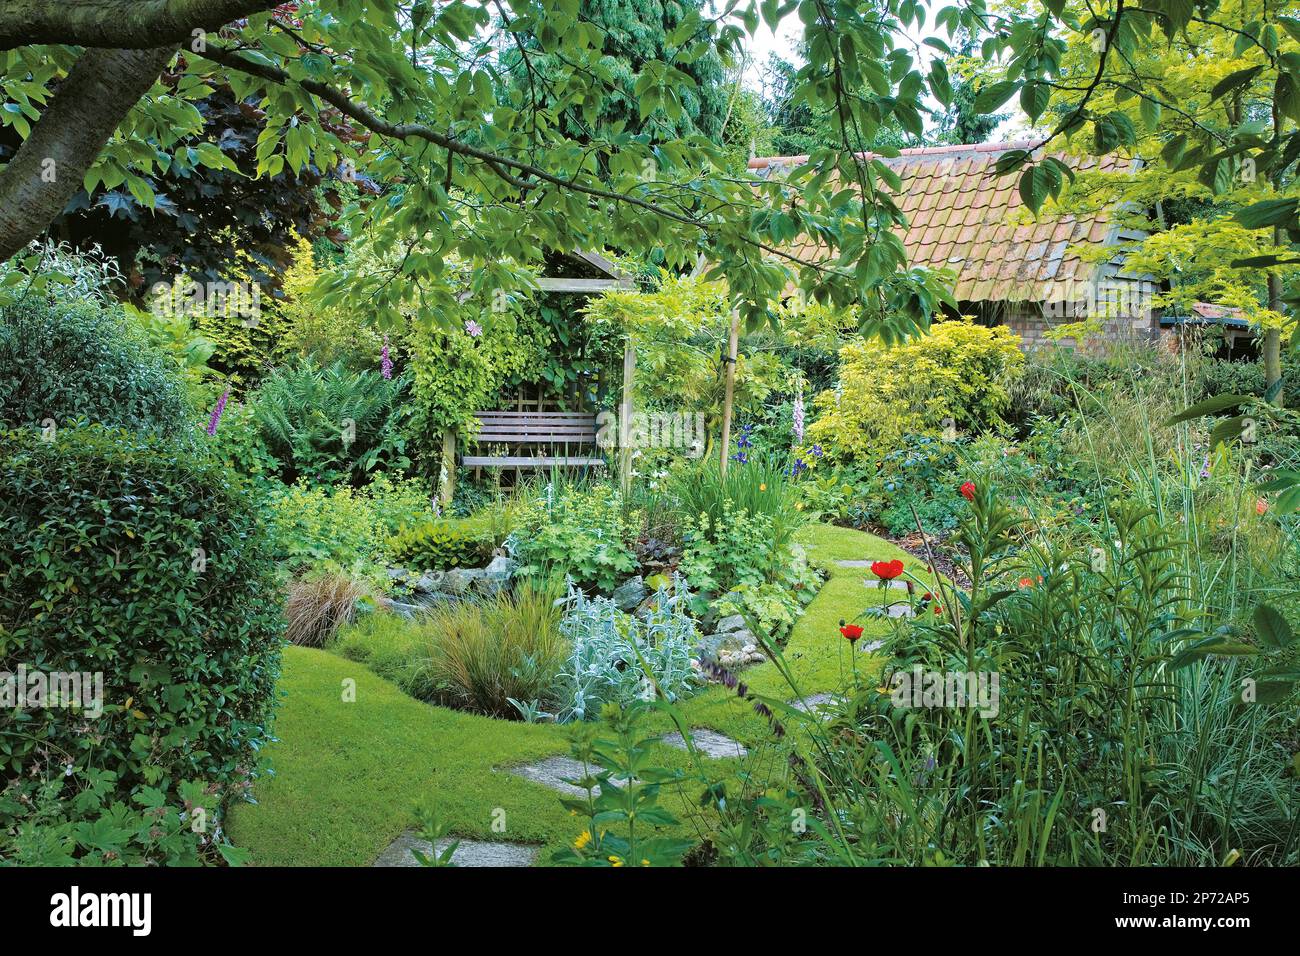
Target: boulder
(502,565)
(428,583)
(733,623)
(459,581)
(630,593)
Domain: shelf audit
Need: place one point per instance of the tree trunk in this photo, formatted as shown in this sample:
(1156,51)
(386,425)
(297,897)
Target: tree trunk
(49,167)
(1273,337)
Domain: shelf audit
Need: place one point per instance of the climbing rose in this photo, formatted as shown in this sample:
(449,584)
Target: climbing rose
(887,570)
(216,412)
(968,490)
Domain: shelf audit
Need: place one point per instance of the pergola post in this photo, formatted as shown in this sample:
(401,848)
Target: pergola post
(730,392)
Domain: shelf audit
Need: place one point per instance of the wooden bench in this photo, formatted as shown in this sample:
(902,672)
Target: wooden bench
(536,430)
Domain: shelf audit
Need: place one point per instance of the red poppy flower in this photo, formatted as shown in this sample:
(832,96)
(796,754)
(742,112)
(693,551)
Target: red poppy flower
(851,631)
(938,609)
(968,490)
(927,597)
(887,570)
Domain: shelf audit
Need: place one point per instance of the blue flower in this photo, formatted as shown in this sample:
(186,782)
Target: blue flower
(817,451)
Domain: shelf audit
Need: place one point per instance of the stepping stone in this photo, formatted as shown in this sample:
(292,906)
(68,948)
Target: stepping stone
(872,646)
(813,702)
(708,742)
(900,610)
(894,585)
(468,853)
(553,771)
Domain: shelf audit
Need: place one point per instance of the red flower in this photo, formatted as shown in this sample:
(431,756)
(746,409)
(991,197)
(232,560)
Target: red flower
(968,490)
(850,631)
(887,570)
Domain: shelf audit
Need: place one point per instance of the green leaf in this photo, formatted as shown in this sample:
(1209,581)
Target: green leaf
(1034,98)
(1268,212)
(1234,81)
(990,97)
(1209,406)
(1271,627)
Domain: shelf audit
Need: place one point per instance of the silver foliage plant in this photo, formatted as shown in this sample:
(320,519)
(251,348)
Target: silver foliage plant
(610,645)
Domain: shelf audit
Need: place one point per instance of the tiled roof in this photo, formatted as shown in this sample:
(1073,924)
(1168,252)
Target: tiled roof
(961,216)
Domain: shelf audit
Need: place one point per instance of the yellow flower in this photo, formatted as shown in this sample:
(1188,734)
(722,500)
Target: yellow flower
(763,487)
(583,839)
(616,860)
(645,862)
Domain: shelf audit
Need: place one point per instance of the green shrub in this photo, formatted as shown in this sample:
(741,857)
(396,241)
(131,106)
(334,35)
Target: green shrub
(439,545)
(128,557)
(63,361)
(958,371)
(326,529)
(583,533)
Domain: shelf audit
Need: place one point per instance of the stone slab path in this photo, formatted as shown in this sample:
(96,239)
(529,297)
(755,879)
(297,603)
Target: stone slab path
(812,702)
(555,772)
(468,854)
(708,742)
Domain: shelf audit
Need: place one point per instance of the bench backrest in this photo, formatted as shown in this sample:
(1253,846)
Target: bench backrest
(537,428)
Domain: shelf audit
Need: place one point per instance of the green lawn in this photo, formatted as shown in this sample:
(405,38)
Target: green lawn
(348,775)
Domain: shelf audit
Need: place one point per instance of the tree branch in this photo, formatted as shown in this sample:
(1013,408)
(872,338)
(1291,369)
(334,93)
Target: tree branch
(49,167)
(499,164)
(116,24)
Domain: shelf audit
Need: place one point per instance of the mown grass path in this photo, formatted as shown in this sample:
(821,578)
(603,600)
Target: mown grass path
(348,774)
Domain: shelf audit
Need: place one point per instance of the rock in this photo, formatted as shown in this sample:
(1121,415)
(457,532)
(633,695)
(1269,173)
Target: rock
(407,611)
(398,575)
(502,565)
(495,577)
(734,640)
(429,582)
(630,593)
(733,623)
(459,580)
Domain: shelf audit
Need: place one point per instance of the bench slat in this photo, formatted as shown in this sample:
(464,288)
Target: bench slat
(488,461)
(541,416)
